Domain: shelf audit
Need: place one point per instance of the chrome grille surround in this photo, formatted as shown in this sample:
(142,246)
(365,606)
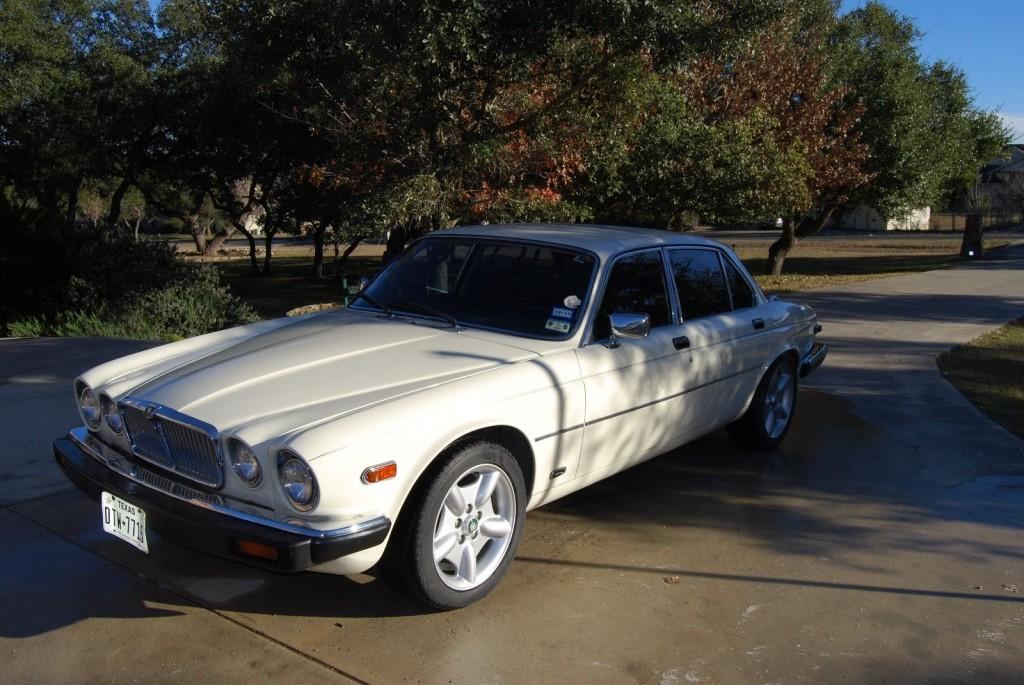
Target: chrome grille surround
(173,441)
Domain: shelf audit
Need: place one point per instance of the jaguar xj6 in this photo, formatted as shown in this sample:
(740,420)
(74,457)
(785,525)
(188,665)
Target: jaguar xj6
(486,371)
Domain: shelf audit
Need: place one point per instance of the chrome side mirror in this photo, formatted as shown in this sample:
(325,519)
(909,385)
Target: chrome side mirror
(628,325)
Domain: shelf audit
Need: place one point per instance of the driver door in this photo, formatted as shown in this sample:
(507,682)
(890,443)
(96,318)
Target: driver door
(633,386)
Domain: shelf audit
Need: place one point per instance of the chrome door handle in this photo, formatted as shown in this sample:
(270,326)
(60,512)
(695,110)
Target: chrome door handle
(758,324)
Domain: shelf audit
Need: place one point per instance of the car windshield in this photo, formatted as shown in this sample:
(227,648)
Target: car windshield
(523,288)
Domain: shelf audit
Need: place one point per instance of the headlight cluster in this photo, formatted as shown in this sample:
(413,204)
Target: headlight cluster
(96,408)
(89,406)
(297,480)
(111,414)
(244,462)
(294,474)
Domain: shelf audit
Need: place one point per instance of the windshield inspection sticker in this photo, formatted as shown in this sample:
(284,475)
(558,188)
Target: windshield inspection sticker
(557,325)
(560,313)
(572,302)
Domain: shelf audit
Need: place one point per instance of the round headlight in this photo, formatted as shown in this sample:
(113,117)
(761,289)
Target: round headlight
(243,461)
(89,405)
(297,480)
(111,414)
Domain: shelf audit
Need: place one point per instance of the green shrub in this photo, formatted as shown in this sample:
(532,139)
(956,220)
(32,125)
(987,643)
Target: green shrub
(195,304)
(56,280)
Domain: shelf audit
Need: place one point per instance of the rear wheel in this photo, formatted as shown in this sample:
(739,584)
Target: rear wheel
(461,528)
(771,410)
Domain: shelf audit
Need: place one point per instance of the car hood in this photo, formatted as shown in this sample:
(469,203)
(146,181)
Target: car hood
(320,368)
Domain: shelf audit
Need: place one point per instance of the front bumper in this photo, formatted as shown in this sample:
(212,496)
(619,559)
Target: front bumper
(209,526)
(813,359)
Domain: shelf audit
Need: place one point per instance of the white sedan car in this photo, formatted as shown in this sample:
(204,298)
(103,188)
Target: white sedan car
(486,371)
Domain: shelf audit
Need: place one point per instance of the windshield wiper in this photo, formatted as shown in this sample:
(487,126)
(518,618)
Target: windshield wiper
(424,309)
(374,303)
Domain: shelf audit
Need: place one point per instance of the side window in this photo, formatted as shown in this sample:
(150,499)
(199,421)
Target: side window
(635,285)
(699,282)
(742,295)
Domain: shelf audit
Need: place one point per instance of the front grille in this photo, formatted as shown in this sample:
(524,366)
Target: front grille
(189,450)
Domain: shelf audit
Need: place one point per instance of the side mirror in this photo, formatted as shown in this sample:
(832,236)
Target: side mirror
(363,282)
(628,325)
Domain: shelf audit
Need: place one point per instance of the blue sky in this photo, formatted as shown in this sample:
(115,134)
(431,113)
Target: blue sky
(985,38)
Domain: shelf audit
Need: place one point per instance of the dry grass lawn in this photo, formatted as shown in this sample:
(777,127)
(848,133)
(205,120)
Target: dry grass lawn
(989,371)
(819,263)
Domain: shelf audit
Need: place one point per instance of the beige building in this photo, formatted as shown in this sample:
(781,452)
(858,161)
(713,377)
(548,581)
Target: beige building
(864,218)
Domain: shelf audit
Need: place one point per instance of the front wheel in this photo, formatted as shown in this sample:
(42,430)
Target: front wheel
(462,527)
(770,414)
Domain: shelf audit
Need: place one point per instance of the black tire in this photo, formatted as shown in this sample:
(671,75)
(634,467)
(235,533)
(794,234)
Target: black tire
(750,430)
(409,561)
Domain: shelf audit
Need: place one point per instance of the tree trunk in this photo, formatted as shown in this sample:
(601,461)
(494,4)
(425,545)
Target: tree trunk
(792,232)
(115,202)
(198,232)
(318,249)
(973,243)
(395,244)
(339,262)
(781,247)
(399,237)
(268,244)
(252,253)
(217,241)
(240,227)
(73,189)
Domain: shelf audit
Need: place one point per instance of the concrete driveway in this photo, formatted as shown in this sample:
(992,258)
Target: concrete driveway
(882,543)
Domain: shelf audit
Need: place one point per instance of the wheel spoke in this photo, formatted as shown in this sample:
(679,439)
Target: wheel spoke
(485,488)
(467,564)
(444,543)
(455,502)
(495,527)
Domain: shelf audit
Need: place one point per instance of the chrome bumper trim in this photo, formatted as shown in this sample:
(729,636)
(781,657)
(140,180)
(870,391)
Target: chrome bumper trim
(81,437)
(813,359)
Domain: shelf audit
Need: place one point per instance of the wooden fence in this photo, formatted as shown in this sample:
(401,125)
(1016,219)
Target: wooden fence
(952,221)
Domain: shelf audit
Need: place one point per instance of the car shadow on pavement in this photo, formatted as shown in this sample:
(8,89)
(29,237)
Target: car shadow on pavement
(837,488)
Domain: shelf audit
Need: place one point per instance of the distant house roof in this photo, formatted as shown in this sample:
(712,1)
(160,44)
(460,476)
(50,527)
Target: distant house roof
(1012,161)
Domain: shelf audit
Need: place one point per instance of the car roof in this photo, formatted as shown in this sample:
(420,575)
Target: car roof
(605,241)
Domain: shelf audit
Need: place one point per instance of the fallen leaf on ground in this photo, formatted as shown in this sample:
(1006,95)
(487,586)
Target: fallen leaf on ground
(1009,588)
(671,580)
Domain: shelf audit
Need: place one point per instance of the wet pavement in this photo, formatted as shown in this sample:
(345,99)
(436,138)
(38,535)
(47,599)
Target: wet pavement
(882,543)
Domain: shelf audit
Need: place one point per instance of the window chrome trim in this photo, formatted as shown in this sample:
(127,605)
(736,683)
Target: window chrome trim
(111,459)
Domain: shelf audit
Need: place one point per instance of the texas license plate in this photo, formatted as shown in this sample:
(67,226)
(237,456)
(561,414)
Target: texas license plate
(124,520)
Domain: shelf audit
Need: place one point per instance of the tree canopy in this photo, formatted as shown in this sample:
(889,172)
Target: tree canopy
(411,115)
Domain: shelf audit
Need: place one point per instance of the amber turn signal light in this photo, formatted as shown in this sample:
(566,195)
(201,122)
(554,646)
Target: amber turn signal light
(256,549)
(375,474)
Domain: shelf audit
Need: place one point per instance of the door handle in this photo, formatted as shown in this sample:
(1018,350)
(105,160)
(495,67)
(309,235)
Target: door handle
(758,324)
(681,343)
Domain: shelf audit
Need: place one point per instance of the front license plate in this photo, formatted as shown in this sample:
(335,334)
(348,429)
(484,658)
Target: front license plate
(124,520)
